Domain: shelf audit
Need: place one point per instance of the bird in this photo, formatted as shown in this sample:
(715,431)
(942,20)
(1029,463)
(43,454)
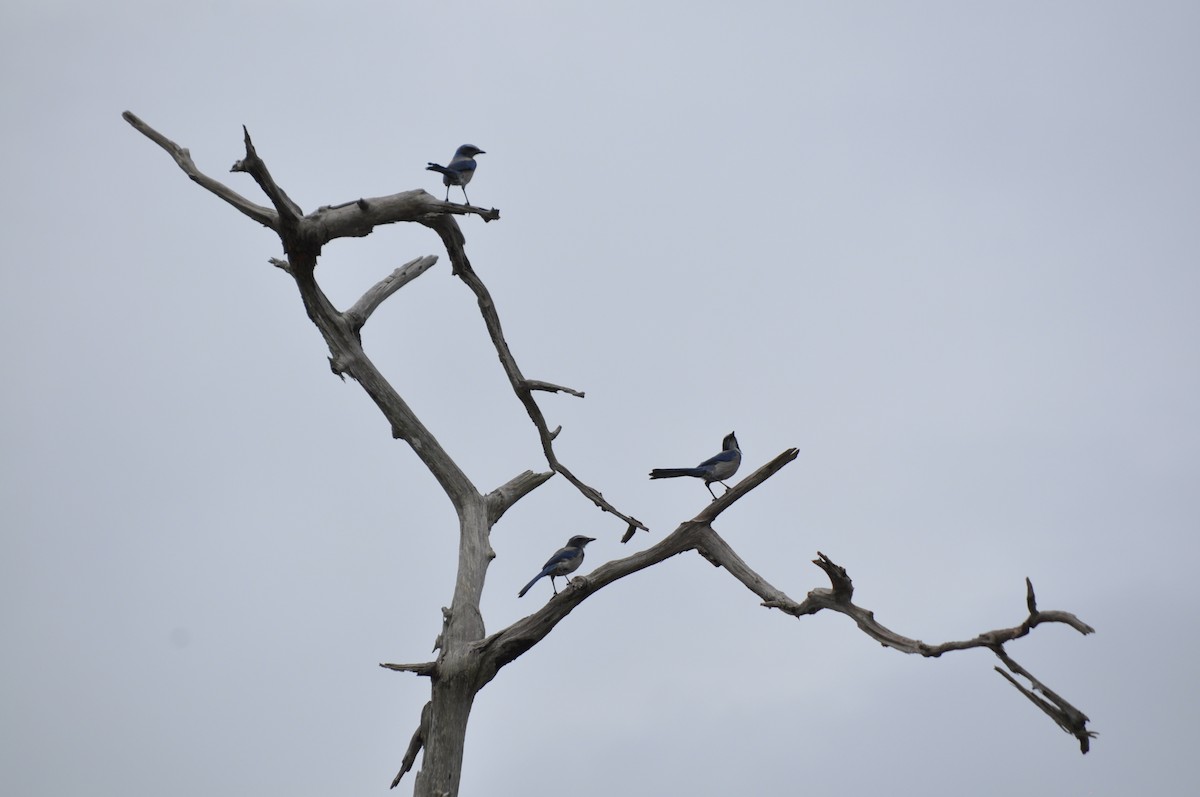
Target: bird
(714,469)
(565,560)
(460,169)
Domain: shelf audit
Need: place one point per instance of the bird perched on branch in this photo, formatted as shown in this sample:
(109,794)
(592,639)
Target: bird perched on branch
(460,170)
(716,469)
(565,560)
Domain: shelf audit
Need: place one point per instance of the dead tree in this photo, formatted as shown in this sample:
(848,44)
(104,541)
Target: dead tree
(467,659)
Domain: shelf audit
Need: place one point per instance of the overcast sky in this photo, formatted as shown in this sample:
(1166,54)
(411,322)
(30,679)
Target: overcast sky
(950,251)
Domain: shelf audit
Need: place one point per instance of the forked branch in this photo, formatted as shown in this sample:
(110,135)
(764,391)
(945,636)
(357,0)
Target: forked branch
(262,215)
(839,598)
(452,238)
(303,236)
(505,646)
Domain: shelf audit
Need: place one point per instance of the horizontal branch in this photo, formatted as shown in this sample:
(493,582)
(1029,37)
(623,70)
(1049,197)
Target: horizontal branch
(360,217)
(426,668)
(533,384)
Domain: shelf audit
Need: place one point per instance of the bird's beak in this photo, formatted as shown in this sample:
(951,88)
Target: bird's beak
(591,539)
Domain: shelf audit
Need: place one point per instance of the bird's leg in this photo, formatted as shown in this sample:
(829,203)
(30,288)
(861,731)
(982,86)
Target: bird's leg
(447,193)
(464,188)
(553,586)
(710,492)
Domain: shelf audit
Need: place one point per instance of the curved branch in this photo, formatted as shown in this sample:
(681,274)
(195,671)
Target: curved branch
(361,311)
(840,599)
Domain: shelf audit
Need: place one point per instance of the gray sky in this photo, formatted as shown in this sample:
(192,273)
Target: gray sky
(948,250)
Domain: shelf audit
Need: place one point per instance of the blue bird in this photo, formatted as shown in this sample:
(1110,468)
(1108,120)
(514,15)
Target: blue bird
(460,170)
(716,469)
(565,560)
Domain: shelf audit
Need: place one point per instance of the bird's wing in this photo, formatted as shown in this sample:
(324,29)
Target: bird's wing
(724,456)
(562,555)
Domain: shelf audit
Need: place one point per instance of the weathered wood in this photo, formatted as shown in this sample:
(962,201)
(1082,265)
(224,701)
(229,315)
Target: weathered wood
(467,659)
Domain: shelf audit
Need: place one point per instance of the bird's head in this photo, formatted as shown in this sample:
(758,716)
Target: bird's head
(578,541)
(468,151)
(729,442)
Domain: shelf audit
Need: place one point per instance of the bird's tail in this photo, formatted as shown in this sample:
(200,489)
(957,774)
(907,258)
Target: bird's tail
(525,588)
(671,473)
(437,167)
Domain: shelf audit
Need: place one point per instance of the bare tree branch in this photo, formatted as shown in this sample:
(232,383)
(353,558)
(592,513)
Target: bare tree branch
(415,744)
(452,238)
(262,215)
(358,314)
(425,668)
(360,218)
(354,219)
(1069,718)
(466,659)
(455,678)
(737,491)
(504,646)
(503,497)
(534,384)
(839,599)
(289,212)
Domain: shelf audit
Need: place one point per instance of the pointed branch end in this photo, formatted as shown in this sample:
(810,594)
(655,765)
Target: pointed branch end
(843,586)
(550,387)
(503,497)
(425,668)
(1066,716)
